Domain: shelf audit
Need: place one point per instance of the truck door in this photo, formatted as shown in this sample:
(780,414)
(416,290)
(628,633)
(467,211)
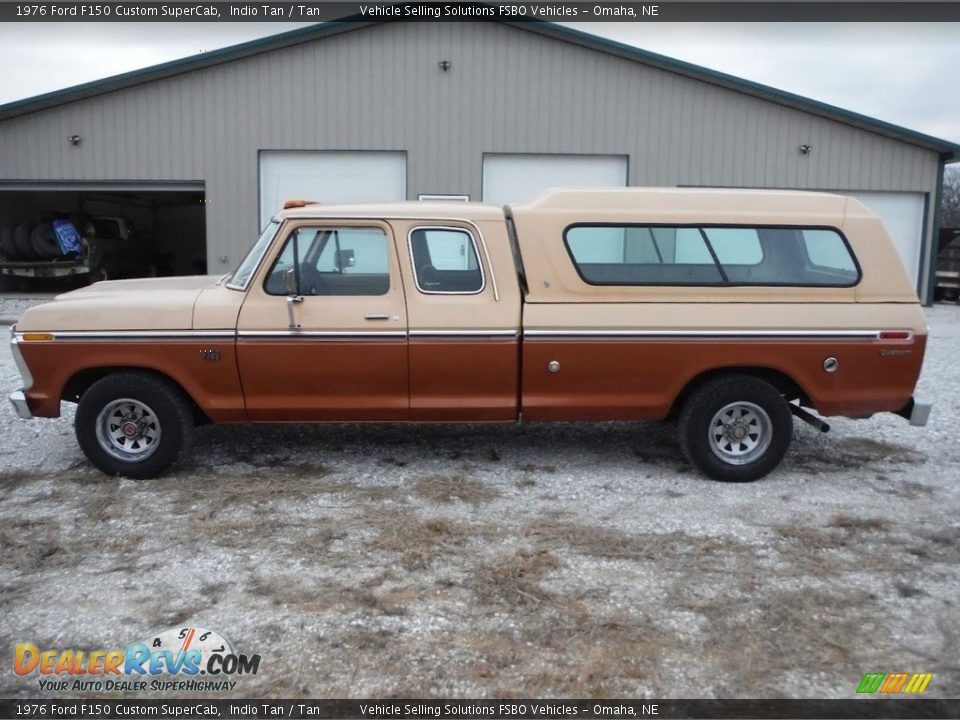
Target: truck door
(463,302)
(322,334)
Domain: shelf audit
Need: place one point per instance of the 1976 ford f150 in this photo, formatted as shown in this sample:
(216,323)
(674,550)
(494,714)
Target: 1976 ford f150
(731,311)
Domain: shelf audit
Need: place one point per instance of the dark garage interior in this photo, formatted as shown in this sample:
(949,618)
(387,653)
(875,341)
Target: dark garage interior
(125,232)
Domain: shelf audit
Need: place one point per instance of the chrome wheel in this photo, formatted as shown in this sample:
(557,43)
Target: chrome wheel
(128,430)
(740,433)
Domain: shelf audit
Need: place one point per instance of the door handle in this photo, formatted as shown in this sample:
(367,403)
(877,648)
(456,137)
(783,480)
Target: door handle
(377,316)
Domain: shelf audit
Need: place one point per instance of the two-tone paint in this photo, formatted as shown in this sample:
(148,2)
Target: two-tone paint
(535,342)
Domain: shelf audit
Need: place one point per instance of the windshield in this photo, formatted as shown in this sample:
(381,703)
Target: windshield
(241,276)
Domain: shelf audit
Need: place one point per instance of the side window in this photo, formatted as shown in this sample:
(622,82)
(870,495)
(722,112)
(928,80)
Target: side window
(759,255)
(826,251)
(445,261)
(638,255)
(333,261)
(735,246)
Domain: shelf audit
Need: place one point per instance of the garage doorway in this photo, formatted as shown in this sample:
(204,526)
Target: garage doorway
(331,177)
(126,230)
(517,178)
(903,214)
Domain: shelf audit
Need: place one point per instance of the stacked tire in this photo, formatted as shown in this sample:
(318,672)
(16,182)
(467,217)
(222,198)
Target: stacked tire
(21,239)
(8,248)
(29,242)
(43,240)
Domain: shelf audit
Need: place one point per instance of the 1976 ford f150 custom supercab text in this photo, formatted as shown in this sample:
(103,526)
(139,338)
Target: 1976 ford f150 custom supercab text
(732,311)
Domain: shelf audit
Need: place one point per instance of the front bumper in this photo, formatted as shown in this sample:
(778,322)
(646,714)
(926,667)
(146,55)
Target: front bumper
(916,411)
(18,399)
(19,402)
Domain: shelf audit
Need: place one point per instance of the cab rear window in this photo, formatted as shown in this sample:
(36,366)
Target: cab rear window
(711,255)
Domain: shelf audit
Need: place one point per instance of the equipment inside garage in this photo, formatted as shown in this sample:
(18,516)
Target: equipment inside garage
(120,232)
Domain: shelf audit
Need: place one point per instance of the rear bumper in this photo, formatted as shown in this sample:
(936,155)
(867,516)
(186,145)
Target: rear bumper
(19,402)
(916,411)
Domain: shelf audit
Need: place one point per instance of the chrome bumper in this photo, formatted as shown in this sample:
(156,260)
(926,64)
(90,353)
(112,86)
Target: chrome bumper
(920,413)
(916,411)
(19,402)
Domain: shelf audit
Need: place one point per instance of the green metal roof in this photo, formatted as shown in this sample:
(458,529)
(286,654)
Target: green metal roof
(948,150)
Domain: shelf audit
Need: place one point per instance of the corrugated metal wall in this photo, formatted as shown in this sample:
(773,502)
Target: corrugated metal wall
(381,88)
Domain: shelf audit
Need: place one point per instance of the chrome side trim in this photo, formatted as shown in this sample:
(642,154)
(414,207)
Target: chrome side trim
(729,334)
(464,333)
(319,334)
(18,360)
(141,334)
(19,402)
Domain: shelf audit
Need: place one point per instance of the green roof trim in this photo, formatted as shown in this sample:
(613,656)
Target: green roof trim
(948,150)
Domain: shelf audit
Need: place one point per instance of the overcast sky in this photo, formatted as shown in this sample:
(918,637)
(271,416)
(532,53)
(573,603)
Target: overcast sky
(902,73)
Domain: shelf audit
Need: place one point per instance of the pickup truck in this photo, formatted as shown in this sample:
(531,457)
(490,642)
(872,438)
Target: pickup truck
(730,311)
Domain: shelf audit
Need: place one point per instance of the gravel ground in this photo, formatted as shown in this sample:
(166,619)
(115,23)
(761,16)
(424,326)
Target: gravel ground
(502,561)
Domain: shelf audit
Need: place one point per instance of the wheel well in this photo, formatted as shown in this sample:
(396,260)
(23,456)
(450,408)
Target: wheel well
(80,382)
(781,381)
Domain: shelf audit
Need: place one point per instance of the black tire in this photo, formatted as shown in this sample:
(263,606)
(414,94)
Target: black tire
(8,248)
(44,241)
(21,238)
(169,410)
(751,405)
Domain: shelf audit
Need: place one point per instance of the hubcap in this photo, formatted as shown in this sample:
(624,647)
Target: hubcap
(128,430)
(740,433)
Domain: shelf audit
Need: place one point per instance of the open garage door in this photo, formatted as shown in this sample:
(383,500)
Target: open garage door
(123,229)
(329,177)
(902,213)
(509,178)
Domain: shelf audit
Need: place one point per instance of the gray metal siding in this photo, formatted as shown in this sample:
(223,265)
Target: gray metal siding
(380,88)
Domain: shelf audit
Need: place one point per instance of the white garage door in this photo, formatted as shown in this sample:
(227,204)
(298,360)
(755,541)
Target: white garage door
(330,177)
(902,213)
(520,178)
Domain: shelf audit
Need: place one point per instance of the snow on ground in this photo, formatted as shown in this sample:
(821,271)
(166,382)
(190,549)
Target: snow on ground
(476,561)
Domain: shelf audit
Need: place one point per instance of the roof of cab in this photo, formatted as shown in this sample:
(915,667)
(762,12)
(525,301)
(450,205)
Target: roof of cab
(411,209)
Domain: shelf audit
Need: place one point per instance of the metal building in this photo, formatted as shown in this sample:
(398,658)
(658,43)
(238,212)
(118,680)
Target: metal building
(204,149)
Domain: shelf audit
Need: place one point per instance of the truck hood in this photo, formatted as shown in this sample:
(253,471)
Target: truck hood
(143,304)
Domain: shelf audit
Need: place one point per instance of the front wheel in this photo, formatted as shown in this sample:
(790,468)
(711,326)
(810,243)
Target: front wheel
(735,428)
(133,424)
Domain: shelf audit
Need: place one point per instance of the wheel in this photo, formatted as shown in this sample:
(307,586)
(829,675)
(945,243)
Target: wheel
(44,242)
(735,428)
(8,248)
(21,238)
(133,424)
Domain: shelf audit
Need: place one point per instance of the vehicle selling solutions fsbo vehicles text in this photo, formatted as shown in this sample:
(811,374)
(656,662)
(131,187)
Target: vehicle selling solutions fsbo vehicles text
(507,10)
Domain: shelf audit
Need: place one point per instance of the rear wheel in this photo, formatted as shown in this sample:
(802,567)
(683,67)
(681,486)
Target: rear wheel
(133,424)
(735,428)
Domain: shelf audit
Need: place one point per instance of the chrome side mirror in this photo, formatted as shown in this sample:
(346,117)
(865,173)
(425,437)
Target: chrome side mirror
(290,283)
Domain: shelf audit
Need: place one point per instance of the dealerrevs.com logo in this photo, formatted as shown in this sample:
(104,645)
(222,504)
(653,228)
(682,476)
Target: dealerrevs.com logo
(171,660)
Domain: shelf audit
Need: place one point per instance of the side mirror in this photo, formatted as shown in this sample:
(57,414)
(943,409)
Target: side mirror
(346,259)
(290,281)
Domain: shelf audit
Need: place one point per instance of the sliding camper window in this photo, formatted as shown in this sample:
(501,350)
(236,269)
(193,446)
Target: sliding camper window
(711,255)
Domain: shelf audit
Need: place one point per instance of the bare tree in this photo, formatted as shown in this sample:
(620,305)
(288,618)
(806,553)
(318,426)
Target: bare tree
(950,198)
